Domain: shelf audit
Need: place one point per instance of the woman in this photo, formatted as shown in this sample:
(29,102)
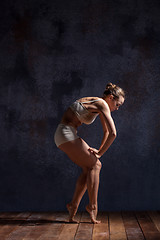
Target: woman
(85,110)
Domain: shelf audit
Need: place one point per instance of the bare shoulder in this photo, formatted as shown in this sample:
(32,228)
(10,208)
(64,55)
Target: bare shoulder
(102,105)
(89,99)
(83,99)
(97,103)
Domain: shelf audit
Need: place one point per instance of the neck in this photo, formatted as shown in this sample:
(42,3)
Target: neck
(105,98)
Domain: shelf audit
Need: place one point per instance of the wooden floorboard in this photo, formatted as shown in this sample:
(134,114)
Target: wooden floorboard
(133,230)
(85,228)
(101,231)
(55,226)
(10,222)
(117,228)
(155,217)
(148,227)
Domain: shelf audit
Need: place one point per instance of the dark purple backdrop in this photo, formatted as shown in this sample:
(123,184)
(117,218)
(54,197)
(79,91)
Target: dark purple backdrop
(54,52)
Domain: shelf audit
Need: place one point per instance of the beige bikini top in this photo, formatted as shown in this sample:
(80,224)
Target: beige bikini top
(82,113)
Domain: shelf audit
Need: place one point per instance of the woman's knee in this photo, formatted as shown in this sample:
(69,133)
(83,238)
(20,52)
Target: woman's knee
(97,165)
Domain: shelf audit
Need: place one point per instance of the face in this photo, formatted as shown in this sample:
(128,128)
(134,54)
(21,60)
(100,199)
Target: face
(115,103)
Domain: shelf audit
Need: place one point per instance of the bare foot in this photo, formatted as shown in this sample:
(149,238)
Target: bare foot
(72,212)
(92,214)
(73,221)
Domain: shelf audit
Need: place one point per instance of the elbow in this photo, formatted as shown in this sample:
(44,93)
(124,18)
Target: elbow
(113,134)
(106,132)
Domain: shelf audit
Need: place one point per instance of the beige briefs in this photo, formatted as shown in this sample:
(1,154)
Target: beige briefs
(64,133)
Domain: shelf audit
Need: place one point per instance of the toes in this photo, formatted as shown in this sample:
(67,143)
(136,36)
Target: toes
(72,212)
(97,222)
(92,215)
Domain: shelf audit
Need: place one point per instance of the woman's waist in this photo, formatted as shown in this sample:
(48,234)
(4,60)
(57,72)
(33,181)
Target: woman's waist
(69,123)
(71,120)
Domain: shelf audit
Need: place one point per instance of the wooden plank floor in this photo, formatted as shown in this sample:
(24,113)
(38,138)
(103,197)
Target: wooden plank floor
(55,226)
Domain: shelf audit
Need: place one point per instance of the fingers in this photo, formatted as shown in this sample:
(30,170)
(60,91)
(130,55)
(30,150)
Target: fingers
(94,152)
(91,150)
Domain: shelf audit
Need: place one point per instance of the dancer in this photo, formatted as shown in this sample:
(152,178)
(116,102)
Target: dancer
(85,110)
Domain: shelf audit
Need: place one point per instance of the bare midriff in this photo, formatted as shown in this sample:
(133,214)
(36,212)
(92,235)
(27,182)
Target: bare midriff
(70,118)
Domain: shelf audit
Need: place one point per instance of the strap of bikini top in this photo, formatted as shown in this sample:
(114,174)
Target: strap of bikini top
(96,100)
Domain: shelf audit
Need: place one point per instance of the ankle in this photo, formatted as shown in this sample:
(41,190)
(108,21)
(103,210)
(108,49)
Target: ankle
(72,205)
(92,206)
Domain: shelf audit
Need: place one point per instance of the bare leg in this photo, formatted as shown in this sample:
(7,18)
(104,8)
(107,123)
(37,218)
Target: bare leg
(78,151)
(80,189)
(93,185)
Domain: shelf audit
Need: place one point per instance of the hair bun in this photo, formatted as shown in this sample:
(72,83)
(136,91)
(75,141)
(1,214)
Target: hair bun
(115,90)
(110,86)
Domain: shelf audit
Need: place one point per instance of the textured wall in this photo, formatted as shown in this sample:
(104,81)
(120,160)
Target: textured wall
(53,52)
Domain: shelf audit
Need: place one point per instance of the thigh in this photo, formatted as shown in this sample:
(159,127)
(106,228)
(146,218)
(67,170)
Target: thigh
(77,151)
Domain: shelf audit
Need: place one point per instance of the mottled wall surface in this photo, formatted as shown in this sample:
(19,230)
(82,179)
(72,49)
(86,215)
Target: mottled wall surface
(53,52)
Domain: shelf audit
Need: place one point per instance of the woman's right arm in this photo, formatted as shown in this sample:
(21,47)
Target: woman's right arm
(109,128)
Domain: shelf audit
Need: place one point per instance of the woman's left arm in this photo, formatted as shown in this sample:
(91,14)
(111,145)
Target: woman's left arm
(108,125)
(109,128)
(105,130)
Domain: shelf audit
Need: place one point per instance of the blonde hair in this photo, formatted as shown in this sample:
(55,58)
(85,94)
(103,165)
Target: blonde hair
(114,90)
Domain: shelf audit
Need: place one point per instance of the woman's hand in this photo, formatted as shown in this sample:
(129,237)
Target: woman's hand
(95,152)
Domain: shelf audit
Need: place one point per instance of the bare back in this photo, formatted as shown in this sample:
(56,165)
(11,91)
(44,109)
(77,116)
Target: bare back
(70,117)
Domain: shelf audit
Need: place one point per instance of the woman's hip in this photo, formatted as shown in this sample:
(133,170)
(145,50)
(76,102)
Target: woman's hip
(64,133)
